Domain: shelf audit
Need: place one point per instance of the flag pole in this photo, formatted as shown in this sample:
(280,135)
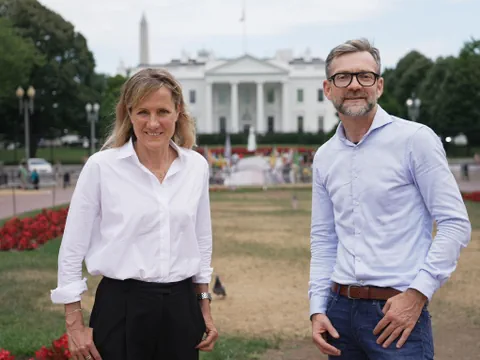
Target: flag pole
(243,20)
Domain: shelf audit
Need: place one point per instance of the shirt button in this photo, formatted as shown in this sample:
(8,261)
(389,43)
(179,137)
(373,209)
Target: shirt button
(359,260)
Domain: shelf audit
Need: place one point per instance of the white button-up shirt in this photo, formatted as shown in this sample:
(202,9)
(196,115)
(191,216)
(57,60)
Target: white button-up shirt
(128,225)
(373,207)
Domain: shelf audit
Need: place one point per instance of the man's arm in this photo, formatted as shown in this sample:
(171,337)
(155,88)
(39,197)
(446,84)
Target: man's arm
(324,243)
(439,189)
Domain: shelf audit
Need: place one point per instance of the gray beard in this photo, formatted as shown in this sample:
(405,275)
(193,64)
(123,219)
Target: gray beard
(360,112)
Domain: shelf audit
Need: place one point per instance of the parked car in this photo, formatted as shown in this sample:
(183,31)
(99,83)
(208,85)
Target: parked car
(41,165)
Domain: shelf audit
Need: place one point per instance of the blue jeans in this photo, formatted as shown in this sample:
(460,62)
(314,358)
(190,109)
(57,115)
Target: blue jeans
(355,320)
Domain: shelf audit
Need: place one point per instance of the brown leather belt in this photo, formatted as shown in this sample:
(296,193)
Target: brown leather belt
(365,292)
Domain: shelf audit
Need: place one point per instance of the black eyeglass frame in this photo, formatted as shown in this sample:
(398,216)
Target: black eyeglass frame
(352,74)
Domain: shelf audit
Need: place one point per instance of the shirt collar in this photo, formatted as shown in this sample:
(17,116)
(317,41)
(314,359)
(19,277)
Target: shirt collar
(380,119)
(127,150)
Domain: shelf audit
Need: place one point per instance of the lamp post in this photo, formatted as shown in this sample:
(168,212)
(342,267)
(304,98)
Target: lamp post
(92,118)
(26,108)
(413,107)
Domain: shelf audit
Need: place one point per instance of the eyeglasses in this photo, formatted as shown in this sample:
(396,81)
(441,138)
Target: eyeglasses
(344,79)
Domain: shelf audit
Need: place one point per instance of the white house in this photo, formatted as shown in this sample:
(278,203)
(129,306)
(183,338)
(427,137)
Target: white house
(280,94)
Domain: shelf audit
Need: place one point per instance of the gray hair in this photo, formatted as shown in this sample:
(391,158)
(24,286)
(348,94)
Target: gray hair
(352,46)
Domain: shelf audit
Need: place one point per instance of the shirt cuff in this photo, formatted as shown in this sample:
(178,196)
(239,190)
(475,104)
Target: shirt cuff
(318,305)
(204,277)
(425,283)
(69,293)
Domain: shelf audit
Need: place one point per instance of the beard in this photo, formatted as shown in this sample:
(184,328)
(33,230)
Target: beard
(354,109)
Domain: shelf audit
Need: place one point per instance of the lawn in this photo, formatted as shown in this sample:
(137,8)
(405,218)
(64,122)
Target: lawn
(65,155)
(261,253)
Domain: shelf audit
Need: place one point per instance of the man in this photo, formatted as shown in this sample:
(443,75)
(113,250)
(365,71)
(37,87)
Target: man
(378,185)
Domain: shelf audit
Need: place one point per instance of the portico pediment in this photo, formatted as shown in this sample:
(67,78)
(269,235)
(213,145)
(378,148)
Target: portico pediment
(246,64)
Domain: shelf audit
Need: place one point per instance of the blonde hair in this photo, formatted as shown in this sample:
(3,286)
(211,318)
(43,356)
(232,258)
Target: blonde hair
(352,46)
(137,88)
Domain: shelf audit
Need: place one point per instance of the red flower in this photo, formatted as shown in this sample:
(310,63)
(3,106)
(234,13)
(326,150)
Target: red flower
(29,233)
(5,355)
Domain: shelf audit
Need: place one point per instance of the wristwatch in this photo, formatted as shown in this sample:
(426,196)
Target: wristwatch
(204,295)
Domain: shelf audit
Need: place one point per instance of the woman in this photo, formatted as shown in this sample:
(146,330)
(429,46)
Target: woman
(140,217)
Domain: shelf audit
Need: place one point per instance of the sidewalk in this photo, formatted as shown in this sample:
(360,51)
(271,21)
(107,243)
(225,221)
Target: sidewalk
(28,200)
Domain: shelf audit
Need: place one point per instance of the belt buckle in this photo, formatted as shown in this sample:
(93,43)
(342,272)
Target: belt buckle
(348,291)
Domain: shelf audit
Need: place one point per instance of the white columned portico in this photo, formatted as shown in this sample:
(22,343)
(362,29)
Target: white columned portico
(285,108)
(208,109)
(234,107)
(260,109)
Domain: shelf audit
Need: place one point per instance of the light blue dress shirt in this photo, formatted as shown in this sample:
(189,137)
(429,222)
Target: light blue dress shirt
(373,208)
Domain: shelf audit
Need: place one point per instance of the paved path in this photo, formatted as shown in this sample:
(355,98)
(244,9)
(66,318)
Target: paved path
(27,200)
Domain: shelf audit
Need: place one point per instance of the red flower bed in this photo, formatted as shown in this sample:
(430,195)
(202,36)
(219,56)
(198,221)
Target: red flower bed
(473,196)
(5,355)
(29,233)
(58,351)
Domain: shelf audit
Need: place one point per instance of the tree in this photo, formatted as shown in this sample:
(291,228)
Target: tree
(403,80)
(110,98)
(456,106)
(388,101)
(19,56)
(67,81)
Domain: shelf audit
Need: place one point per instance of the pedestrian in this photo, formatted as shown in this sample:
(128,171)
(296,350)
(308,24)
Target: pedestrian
(140,217)
(378,186)
(35,179)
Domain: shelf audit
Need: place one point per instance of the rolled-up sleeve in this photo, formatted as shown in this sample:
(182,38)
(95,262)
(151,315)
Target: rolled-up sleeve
(203,230)
(84,208)
(324,242)
(442,197)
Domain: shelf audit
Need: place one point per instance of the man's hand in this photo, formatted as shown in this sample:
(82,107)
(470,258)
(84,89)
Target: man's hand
(401,316)
(321,327)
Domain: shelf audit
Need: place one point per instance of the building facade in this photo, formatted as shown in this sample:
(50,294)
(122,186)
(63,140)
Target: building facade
(280,94)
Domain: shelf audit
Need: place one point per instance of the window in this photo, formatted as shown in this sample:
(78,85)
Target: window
(271,124)
(271,96)
(246,129)
(300,124)
(320,124)
(192,96)
(223,125)
(320,95)
(299,95)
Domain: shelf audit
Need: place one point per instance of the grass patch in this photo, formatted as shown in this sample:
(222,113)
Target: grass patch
(473,209)
(24,326)
(236,348)
(66,155)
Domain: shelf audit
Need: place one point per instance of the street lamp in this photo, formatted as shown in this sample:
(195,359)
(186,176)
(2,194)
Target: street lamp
(413,107)
(92,118)
(25,104)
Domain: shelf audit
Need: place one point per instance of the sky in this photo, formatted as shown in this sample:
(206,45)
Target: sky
(111,27)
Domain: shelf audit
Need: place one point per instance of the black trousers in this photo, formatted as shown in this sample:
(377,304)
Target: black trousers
(136,320)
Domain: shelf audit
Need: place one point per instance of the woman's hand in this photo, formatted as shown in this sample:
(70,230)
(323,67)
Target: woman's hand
(80,338)
(212,334)
(80,344)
